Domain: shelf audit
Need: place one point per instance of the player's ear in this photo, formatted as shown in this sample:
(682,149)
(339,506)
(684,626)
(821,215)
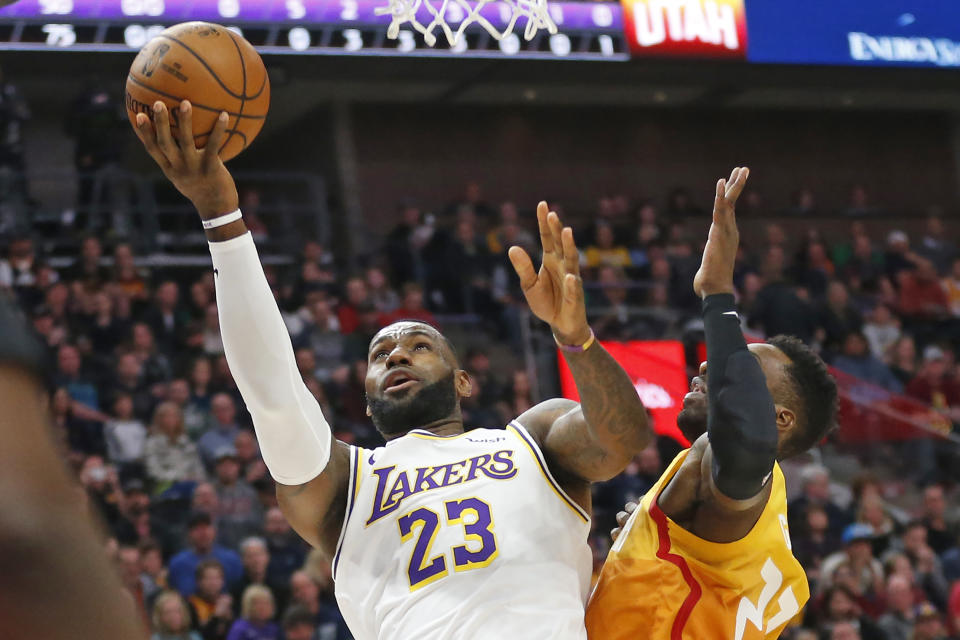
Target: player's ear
(461,380)
(786,418)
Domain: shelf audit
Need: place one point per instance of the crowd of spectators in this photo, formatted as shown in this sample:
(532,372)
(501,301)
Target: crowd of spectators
(151,421)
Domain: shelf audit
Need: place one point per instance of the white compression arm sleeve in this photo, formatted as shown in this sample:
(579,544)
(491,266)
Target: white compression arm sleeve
(294,437)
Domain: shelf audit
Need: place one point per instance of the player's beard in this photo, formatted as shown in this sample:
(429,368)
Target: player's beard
(434,401)
(692,419)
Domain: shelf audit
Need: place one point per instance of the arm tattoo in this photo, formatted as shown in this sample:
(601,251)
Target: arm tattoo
(612,410)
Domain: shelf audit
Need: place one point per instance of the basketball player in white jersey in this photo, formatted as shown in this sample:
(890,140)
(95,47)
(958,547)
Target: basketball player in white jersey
(439,534)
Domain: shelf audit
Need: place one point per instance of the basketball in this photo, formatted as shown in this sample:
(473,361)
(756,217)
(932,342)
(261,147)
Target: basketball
(212,67)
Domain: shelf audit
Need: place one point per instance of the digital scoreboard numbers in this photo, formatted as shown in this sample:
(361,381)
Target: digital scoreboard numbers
(586,30)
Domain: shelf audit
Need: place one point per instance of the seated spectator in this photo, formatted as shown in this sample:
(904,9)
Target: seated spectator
(897,623)
(323,337)
(815,483)
(136,524)
(604,250)
(873,512)
(128,565)
(211,342)
(922,298)
(317,597)
(933,384)
(126,277)
(196,420)
(814,542)
(858,556)
(935,244)
(223,430)
(349,309)
(941,534)
(102,487)
(201,534)
(856,360)
(508,232)
(257,612)
(287,550)
(167,319)
(171,618)
(70,376)
(381,295)
(896,563)
(201,379)
(412,308)
(240,512)
(155,366)
(928,623)
(298,624)
(779,308)
(814,269)
(838,317)
(170,455)
(101,326)
(865,267)
(926,565)
(882,331)
(839,608)
(859,203)
(902,357)
(953,609)
(152,572)
(609,302)
(252,467)
(211,610)
(128,378)
(256,560)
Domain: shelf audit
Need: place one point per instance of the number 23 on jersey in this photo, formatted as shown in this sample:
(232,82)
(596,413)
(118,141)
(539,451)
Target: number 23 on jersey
(480,542)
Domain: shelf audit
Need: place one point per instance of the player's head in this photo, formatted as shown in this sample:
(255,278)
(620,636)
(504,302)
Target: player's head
(413,378)
(804,394)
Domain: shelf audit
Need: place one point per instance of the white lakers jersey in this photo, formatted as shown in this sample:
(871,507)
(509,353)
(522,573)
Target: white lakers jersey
(461,537)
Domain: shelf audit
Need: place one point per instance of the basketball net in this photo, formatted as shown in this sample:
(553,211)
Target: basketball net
(405,11)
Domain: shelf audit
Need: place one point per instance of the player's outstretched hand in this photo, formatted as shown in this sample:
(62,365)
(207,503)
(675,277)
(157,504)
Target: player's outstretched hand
(720,254)
(198,174)
(622,518)
(555,293)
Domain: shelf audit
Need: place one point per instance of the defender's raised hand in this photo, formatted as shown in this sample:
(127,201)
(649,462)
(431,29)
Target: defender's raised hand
(716,269)
(555,293)
(198,174)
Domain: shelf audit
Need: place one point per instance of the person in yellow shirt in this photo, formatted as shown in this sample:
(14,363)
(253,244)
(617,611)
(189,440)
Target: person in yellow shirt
(706,555)
(604,251)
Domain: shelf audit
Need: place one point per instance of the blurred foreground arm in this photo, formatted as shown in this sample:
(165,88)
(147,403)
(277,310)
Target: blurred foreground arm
(55,581)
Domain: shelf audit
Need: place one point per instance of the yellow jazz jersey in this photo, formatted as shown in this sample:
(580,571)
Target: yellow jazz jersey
(661,582)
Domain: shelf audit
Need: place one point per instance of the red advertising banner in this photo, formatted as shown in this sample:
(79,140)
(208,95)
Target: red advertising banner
(686,28)
(658,371)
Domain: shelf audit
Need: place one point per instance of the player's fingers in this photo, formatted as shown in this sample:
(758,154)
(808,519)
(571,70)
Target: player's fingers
(571,257)
(553,221)
(546,239)
(622,518)
(572,289)
(736,188)
(144,131)
(615,533)
(161,122)
(718,198)
(523,266)
(185,132)
(212,150)
(630,507)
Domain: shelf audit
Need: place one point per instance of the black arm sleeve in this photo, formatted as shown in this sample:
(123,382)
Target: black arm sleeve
(741,420)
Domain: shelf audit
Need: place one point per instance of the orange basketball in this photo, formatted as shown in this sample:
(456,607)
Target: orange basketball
(213,68)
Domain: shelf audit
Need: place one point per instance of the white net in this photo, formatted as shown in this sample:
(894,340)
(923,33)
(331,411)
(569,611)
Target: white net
(444,14)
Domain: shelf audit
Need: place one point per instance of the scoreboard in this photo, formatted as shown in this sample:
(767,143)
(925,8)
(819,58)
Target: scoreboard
(586,30)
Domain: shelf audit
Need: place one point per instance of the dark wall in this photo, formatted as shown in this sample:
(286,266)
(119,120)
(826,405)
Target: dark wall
(574,155)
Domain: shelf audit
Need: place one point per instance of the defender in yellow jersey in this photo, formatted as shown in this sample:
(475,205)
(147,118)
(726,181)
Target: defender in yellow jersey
(706,555)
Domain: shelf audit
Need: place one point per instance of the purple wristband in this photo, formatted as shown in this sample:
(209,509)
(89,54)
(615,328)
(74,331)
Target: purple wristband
(570,348)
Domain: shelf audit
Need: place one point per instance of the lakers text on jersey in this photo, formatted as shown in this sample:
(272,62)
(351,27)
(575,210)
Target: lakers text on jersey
(461,537)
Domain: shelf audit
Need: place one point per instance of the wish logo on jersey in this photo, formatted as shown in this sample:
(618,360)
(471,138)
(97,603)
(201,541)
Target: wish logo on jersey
(396,485)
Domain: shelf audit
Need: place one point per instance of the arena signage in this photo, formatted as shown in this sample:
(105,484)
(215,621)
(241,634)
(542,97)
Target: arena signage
(659,373)
(686,28)
(853,32)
